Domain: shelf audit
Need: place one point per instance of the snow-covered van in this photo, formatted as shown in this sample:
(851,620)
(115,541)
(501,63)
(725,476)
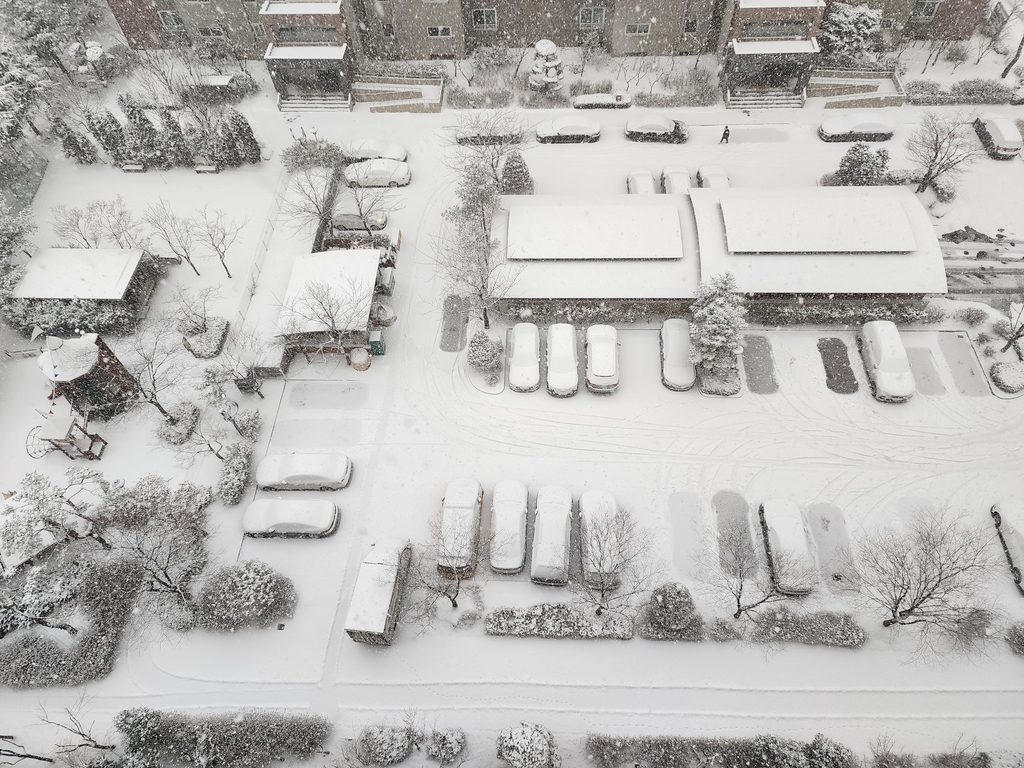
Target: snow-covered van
(886,362)
(377,595)
(999,136)
(460,528)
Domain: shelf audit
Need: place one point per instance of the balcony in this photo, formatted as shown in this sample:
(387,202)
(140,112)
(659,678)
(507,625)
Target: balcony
(307,8)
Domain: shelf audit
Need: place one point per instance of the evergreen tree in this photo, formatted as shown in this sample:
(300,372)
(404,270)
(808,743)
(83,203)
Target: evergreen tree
(130,107)
(75,146)
(515,176)
(248,147)
(108,131)
(719,317)
(848,30)
(175,146)
(224,147)
(142,142)
(860,167)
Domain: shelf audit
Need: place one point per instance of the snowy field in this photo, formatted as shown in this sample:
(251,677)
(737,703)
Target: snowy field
(415,420)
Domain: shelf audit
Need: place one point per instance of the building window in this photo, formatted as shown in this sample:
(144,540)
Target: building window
(485,18)
(999,16)
(690,25)
(591,18)
(439,31)
(210,31)
(924,10)
(388,30)
(258,31)
(887,24)
(290,35)
(638,29)
(171,21)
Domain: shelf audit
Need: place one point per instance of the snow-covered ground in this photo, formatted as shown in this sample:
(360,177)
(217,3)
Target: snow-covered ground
(415,420)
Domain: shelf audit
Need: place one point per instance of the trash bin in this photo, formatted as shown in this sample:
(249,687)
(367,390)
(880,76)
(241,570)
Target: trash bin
(377,345)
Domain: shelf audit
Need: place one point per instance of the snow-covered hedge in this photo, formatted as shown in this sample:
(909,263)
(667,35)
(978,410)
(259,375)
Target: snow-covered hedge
(384,744)
(209,343)
(458,97)
(722,630)
(235,472)
(405,69)
(528,745)
(62,317)
(1015,638)
(106,598)
(833,629)
(554,620)
(671,615)
(186,416)
(833,313)
(250,738)
(1009,377)
(766,751)
(543,100)
(248,594)
(972,91)
(446,744)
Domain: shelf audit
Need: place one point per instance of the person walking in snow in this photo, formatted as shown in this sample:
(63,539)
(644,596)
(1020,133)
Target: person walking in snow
(725,136)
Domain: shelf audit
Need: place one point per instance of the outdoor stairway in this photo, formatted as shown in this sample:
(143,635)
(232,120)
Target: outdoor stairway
(764,98)
(315,103)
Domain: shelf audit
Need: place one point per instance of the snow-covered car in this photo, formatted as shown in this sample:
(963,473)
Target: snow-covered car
(304,472)
(460,528)
(571,129)
(602,358)
(790,558)
(563,373)
(886,362)
(524,362)
(657,128)
(1008,515)
(347,222)
(372,149)
(677,370)
(713,176)
(640,181)
(300,518)
(508,526)
(999,136)
(675,180)
(599,542)
(378,173)
(857,126)
(551,528)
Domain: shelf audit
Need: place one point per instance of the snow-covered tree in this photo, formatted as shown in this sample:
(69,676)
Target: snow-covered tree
(218,233)
(108,131)
(848,30)
(248,148)
(75,145)
(528,745)
(515,176)
(142,142)
(248,594)
(862,167)
(178,233)
(174,144)
(484,354)
(224,147)
(47,27)
(823,752)
(15,229)
(941,148)
(47,505)
(548,70)
(156,360)
(23,86)
(35,599)
(487,136)
(719,318)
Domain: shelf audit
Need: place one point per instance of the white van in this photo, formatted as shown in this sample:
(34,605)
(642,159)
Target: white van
(552,526)
(886,362)
(377,595)
(793,566)
(460,528)
(1000,137)
(563,374)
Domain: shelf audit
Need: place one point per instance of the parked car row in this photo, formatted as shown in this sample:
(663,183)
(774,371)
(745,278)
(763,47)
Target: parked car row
(297,517)
(375,163)
(602,350)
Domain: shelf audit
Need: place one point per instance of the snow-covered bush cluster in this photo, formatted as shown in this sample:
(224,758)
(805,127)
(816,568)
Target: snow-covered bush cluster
(528,745)
(829,628)
(306,153)
(554,620)
(245,739)
(384,744)
(405,69)
(446,744)
(1009,377)
(235,472)
(484,355)
(543,100)
(863,167)
(971,316)
(834,313)
(973,91)
(766,751)
(209,342)
(671,615)
(457,97)
(1015,638)
(721,630)
(248,594)
(186,416)
(849,30)
(61,317)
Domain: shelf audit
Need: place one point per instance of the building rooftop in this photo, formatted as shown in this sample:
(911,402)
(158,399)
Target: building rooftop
(78,273)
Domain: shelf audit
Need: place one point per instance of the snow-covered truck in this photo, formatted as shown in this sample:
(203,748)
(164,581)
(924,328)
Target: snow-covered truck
(377,595)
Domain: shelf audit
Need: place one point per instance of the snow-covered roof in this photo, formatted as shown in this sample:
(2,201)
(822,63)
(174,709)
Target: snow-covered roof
(918,270)
(67,359)
(749,47)
(584,228)
(78,273)
(305,52)
(631,276)
(371,596)
(336,284)
(274,8)
(782,3)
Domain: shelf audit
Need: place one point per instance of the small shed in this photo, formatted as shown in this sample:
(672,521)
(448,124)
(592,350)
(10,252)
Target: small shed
(87,372)
(377,595)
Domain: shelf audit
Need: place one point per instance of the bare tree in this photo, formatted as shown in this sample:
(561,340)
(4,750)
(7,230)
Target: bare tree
(12,753)
(71,722)
(619,564)
(372,202)
(75,228)
(931,577)
(193,308)
(178,233)
(218,233)
(163,73)
(311,198)
(487,137)
(116,223)
(329,310)
(245,351)
(155,358)
(942,147)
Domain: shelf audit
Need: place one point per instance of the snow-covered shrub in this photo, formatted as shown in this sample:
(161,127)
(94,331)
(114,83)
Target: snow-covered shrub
(777,752)
(587,87)
(829,180)
(62,317)
(458,97)
(515,175)
(554,620)
(248,594)
(445,745)
(982,338)
(849,30)
(186,416)
(235,472)
(307,153)
(543,99)
(249,423)
(781,625)
(926,93)
(210,342)
(932,315)
(384,744)
(659,100)
(862,167)
(971,316)
(1009,377)
(900,176)
(484,355)
(1002,328)
(822,752)
(833,313)
(944,189)
(405,69)
(1015,638)
(980,91)
(723,631)
(671,615)
(528,745)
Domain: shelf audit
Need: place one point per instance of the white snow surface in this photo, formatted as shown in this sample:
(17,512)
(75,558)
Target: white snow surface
(305,52)
(279,7)
(747,47)
(67,359)
(350,274)
(78,273)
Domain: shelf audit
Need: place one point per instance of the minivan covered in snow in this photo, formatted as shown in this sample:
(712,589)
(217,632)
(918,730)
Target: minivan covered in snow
(999,136)
(886,362)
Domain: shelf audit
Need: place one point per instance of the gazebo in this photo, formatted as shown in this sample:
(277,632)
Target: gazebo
(86,372)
